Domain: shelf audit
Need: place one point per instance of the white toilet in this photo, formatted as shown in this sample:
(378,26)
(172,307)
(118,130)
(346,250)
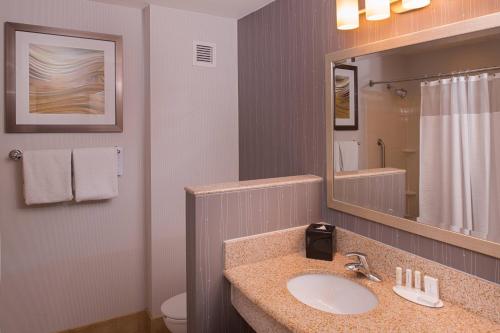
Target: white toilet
(174,312)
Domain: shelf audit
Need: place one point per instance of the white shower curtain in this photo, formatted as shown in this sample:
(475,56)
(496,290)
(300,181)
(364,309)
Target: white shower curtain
(460,155)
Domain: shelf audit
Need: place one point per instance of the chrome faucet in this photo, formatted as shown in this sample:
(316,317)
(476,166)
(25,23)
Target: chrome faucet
(361,266)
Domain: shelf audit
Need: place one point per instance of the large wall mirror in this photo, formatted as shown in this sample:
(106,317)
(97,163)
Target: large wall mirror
(413,130)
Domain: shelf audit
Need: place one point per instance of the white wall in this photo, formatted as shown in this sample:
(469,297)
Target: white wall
(194,131)
(69,265)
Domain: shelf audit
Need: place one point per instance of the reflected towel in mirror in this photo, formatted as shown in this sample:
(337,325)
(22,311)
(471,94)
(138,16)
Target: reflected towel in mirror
(346,156)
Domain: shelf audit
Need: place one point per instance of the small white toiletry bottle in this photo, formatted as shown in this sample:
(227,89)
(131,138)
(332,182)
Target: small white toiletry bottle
(399,276)
(418,283)
(431,286)
(408,278)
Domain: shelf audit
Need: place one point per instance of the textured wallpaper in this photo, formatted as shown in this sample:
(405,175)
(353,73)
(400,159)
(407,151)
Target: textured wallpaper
(194,131)
(68,265)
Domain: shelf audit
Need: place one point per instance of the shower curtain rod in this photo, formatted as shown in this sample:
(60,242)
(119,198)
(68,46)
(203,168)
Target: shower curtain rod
(435,76)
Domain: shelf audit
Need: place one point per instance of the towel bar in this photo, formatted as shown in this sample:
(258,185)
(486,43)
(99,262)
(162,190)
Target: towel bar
(16,154)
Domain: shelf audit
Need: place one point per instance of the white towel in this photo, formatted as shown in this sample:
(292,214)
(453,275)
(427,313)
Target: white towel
(350,155)
(336,156)
(47,176)
(346,156)
(95,173)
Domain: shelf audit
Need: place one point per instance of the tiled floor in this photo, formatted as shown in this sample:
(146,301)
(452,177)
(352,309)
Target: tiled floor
(134,323)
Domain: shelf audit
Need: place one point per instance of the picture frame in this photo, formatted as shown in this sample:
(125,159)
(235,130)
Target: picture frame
(62,81)
(345,101)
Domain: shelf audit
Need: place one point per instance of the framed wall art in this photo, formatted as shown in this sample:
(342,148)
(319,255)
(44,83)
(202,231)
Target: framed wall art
(59,80)
(346,98)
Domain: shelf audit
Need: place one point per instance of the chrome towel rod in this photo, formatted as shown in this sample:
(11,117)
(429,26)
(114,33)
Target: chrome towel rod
(16,154)
(435,76)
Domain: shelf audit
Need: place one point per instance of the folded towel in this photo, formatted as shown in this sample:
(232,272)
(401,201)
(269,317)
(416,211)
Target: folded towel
(47,176)
(346,155)
(336,156)
(96,173)
(349,155)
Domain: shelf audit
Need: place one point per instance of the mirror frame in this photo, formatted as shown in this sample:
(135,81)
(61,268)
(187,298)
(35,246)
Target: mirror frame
(487,23)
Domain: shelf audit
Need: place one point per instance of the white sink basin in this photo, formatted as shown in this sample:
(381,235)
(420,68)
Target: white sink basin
(332,294)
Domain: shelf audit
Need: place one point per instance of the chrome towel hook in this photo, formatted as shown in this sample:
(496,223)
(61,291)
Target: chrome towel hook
(15,154)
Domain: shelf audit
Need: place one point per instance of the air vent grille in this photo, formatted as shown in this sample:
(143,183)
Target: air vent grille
(203,54)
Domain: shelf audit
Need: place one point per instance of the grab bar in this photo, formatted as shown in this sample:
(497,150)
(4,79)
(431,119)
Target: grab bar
(381,143)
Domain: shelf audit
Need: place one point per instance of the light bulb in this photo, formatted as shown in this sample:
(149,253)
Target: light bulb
(377,9)
(347,14)
(415,4)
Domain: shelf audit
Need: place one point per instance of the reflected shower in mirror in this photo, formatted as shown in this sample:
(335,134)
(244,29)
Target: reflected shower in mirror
(427,144)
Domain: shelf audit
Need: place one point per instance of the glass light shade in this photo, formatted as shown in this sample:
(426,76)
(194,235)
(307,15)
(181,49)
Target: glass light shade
(415,4)
(377,9)
(347,14)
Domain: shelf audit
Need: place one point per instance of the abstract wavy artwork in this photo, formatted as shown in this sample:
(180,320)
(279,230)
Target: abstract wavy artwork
(66,80)
(342,97)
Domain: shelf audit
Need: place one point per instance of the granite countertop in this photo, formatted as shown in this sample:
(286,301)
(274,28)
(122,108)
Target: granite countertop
(264,284)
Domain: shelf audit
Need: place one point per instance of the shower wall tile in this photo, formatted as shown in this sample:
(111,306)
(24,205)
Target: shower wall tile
(228,212)
(281,51)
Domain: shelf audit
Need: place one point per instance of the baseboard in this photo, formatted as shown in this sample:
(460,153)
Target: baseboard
(139,322)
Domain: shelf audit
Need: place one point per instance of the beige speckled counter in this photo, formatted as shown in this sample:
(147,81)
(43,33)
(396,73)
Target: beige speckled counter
(264,284)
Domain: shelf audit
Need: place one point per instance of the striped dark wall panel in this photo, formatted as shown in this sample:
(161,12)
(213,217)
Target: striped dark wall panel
(381,192)
(281,101)
(215,217)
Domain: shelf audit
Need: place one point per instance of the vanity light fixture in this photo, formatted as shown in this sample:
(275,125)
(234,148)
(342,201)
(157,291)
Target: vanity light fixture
(377,9)
(347,14)
(348,10)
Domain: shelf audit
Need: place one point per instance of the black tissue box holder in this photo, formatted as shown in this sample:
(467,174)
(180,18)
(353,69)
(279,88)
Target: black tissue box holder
(320,241)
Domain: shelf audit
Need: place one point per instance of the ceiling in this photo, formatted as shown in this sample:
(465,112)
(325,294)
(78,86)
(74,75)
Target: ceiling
(227,8)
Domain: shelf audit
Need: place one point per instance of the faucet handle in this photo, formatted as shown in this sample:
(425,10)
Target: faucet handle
(355,254)
(361,266)
(361,258)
